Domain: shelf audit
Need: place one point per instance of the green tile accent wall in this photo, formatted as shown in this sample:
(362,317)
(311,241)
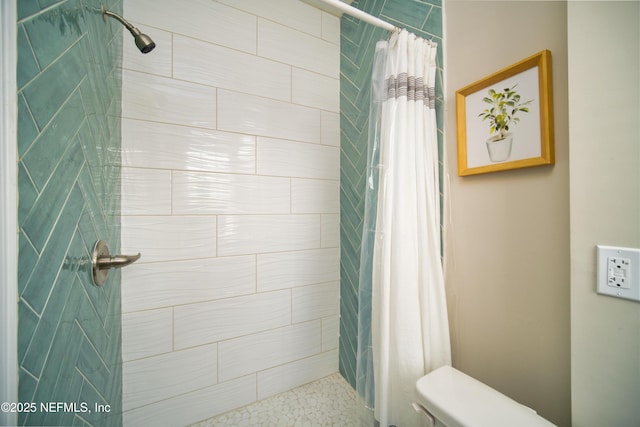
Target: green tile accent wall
(69,108)
(357,45)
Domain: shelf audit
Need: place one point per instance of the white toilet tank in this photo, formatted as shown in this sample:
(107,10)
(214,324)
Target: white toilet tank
(455,399)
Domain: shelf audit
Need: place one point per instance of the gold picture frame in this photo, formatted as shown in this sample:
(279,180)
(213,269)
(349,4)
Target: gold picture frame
(505,120)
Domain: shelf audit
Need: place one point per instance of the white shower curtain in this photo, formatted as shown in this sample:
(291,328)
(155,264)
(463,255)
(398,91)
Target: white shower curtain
(403,325)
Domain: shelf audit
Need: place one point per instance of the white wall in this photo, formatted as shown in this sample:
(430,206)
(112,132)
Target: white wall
(8,206)
(230,189)
(604,94)
(507,248)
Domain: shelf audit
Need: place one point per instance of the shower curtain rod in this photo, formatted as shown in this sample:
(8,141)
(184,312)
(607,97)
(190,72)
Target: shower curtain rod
(357,13)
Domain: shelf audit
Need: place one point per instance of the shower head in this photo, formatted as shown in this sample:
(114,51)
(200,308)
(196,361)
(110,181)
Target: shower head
(143,41)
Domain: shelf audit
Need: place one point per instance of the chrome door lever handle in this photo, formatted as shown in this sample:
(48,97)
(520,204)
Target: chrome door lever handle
(102,261)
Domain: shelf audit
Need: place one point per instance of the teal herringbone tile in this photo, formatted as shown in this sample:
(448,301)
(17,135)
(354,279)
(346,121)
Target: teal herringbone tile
(47,93)
(69,97)
(28,67)
(55,30)
(357,49)
(27,129)
(44,214)
(410,14)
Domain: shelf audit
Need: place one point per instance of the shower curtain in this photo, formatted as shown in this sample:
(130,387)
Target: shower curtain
(403,327)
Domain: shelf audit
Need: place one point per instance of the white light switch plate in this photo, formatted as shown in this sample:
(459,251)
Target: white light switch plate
(619,272)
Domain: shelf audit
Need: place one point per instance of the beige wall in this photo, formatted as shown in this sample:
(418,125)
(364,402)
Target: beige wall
(508,256)
(605,206)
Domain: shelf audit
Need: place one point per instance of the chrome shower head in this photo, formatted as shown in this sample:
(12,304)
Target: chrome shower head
(143,41)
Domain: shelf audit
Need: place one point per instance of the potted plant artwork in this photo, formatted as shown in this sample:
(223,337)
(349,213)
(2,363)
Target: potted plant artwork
(502,116)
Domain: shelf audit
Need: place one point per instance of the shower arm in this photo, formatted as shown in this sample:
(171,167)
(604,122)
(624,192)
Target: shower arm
(143,42)
(133,30)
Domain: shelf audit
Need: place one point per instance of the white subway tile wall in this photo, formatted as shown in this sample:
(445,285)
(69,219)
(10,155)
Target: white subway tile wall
(230,190)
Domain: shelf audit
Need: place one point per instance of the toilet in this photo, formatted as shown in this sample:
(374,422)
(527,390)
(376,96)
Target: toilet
(450,398)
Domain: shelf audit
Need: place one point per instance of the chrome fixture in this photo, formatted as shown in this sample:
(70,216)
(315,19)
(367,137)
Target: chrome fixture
(102,261)
(143,41)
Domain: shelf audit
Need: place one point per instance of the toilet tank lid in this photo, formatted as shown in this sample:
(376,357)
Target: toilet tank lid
(459,400)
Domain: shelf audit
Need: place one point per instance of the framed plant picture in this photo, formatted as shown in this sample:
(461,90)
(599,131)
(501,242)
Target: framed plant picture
(505,121)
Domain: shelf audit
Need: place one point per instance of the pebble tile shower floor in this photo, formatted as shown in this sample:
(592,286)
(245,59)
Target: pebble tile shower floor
(329,401)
